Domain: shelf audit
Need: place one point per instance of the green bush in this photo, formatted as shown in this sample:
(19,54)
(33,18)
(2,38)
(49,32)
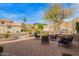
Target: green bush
(6,35)
(1,49)
(29,31)
(77,27)
(38,30)
(44,33)
(40,26)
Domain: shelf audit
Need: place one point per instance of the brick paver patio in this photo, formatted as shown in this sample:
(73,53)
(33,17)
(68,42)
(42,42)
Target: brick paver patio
(35,48)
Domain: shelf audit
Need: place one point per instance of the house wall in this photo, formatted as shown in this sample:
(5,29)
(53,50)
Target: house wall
(66,29)
(11,30)
(48,28)
(16,29)
(4,28)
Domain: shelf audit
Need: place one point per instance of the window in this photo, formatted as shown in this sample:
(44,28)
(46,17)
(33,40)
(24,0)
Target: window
(9,27)
(2,22)
(8,32)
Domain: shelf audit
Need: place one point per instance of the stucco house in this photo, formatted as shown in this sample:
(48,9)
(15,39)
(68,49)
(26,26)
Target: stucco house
(69,27)
(48,28)
(66,27)
(9,26)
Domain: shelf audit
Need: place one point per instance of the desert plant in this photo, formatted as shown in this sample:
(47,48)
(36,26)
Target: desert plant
(45,37)
(6,35)
(1,49)
(38,30)
(44,33)
(29,31)
(77,27)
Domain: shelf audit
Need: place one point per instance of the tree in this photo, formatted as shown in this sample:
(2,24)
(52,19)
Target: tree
(24,20)
(56,14)
(24,25)
(39,27)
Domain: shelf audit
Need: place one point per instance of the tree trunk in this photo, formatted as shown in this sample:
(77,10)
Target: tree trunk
(57,27)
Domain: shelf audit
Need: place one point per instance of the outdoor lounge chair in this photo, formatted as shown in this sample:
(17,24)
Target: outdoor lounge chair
(53,37)
(66,41)
(36,36)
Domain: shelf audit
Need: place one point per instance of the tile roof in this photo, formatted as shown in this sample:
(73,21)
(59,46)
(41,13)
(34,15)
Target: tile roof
(10,23)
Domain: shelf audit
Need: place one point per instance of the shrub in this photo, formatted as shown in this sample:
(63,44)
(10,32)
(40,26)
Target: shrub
(6,35)
(1,49)
(44,33)
(38,30)
(45,38)
(29,31)
(77,27)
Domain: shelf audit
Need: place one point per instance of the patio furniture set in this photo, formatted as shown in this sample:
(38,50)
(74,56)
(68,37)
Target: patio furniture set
(65,41)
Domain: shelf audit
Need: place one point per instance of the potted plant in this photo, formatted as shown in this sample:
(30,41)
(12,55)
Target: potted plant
(1,49)
(45,38)
(77,27)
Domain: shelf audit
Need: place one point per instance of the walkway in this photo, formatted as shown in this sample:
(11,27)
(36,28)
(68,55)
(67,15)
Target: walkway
(20,39)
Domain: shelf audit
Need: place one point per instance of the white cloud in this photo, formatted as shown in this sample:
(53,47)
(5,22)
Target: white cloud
(37,17)
(10,16)
(3,4)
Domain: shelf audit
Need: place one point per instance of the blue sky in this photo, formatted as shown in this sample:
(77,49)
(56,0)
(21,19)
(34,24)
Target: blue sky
(32,11)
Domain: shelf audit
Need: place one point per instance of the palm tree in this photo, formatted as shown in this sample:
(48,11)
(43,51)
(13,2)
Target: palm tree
(23,24)
(24,20)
